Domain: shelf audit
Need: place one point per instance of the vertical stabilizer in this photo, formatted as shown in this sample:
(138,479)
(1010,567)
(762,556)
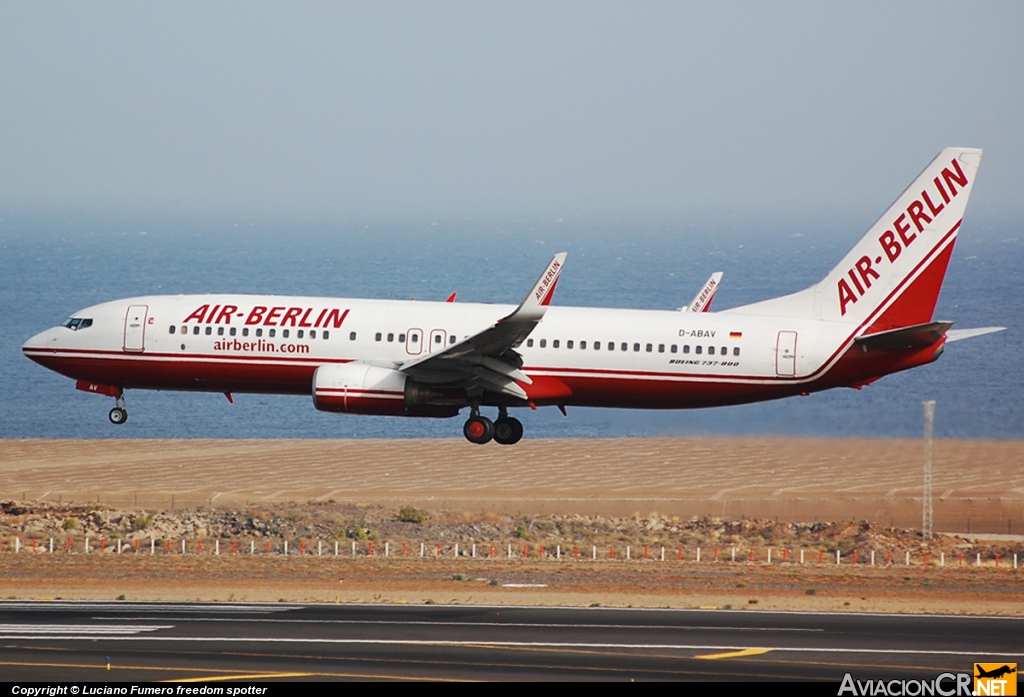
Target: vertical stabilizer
(892,276)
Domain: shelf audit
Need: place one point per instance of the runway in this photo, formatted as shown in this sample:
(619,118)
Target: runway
(59,641)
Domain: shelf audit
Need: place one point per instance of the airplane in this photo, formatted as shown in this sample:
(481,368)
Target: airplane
(870,316)
(995,672)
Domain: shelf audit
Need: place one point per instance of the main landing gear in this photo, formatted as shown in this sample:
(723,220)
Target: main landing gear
(479,429)
(118,415)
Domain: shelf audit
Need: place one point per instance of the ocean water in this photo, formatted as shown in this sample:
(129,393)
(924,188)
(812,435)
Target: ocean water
(52,265)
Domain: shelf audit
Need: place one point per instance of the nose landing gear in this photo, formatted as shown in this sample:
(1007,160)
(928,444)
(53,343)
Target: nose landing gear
(505,431)
(118,415)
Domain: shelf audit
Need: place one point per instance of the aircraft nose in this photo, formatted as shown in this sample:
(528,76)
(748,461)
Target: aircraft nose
(39,341)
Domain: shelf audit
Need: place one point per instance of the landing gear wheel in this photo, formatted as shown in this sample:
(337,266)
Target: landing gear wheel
(478,429)
(508,430)
(118,415)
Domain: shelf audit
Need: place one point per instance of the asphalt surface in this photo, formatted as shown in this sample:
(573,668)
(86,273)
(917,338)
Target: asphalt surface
(57,641)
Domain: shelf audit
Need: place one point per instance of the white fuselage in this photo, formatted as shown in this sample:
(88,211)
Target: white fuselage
(576,355)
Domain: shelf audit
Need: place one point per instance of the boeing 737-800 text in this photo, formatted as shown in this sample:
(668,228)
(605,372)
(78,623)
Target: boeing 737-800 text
(870,316)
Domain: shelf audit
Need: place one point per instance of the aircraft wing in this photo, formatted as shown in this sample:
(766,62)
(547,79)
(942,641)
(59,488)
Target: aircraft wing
(702,301)
(488,358)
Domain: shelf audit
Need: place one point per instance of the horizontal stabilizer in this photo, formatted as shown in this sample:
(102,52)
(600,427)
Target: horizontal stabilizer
(959,334)
(917,336)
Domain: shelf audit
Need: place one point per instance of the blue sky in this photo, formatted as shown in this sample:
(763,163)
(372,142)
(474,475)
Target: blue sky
(339,109)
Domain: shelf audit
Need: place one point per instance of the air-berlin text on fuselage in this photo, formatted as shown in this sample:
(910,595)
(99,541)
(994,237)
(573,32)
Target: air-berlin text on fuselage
(905,229)
(276,316)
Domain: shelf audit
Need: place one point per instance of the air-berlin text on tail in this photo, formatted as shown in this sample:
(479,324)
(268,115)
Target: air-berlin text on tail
(903,233)
(279,316)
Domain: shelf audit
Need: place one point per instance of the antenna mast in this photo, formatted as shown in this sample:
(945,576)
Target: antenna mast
(926,518)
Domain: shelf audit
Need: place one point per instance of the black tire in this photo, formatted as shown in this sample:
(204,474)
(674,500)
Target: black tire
(478,429)
(508,431)
(117,416)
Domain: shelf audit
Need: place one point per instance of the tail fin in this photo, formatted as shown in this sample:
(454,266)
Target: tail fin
(892,276)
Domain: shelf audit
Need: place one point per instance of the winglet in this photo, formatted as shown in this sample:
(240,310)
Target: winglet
(451,298)
(702,301)
(539,297)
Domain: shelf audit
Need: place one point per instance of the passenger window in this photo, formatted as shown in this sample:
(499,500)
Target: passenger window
(245,331)
(611,345)
(171,330)
(711,350)
(568,344)
(636,347)
(298,333)
(259,332)
(736,351)
(597,345)
(725,350)
(625,346)
(351,336)
(437,338)
(554,344)
(401,337)
(377,337)
(452,339)
(284,333)
(686,348)
(209,331)
(529,343)
(650,347)
(583,345)
(184,330)
(232,331)
(391,337)
(698,349)
(195,330)
(312,334)
(543,343)
(661,348)
(220,331)
(272,333)
(415,338)
(326,335)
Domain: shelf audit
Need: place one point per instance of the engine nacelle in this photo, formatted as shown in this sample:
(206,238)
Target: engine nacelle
(361,388)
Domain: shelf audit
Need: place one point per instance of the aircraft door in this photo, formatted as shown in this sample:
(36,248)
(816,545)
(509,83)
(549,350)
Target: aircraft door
(785,355)
(438,340)
(414,342)
(135,327)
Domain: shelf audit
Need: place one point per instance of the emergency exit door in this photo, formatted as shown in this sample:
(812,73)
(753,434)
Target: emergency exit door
(785,355)
(135,327)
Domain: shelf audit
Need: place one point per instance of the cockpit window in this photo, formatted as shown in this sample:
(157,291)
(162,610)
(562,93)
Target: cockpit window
(76,323)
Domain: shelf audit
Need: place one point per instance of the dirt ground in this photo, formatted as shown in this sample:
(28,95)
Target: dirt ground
(812,587)
(545,498)
(338,552)
(978,485)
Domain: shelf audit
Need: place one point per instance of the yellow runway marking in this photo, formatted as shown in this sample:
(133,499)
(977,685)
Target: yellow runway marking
(250,676)
(733,654)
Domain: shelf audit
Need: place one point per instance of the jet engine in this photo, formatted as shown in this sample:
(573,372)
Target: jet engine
(361,388)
